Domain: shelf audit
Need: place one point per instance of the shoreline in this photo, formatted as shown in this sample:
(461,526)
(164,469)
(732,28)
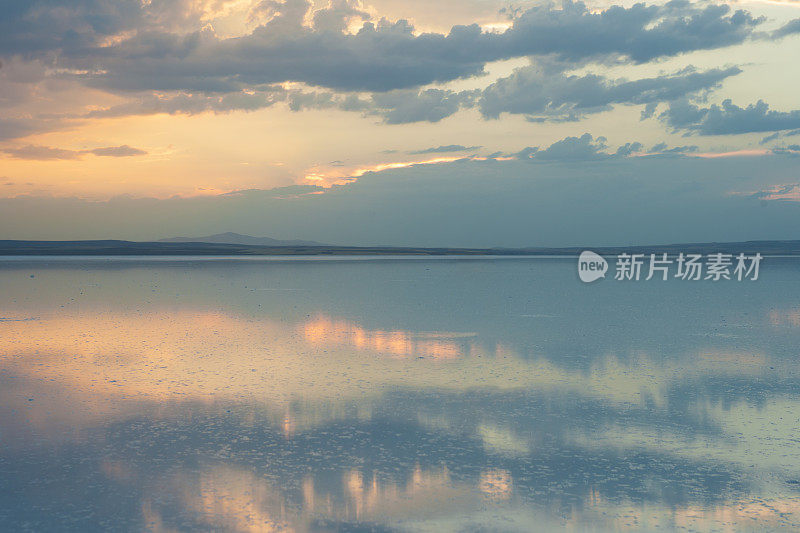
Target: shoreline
(106,248)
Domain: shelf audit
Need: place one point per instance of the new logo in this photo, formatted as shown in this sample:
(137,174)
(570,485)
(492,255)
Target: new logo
(591,267)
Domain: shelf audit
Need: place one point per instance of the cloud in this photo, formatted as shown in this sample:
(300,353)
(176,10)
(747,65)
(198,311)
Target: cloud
(394,107)
(663,148)
(779,135)
(431,105)
(163,56)
(540,93)
(444,149)
(568,150)
(41,153)
(379,57)
(334,19)
(188,103)
(728,118)
(16,127)
(641,32)
(135,46)
(629,149)
(776,192)
(117,151)
(518,202)
(792,149)
(46,153)
(583,148)
(38,28)
(789,28)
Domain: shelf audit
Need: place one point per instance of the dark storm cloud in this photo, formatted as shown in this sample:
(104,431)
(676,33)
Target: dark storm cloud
(379,57)
(539,93)
(728,118)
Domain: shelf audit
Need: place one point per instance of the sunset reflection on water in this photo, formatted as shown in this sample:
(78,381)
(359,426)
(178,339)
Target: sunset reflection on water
(198,401)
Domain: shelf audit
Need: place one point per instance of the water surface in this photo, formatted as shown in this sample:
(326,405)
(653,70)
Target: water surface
(394,394)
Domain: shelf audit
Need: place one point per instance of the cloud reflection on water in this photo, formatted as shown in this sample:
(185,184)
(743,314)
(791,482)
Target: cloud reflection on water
(203,412)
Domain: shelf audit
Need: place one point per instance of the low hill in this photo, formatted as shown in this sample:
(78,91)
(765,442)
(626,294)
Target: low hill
(237,238)
(116,247)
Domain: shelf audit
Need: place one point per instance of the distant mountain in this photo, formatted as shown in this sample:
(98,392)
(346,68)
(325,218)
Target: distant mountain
(200,246)
(236,238)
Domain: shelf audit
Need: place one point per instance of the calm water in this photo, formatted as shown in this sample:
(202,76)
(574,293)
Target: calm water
(383,395)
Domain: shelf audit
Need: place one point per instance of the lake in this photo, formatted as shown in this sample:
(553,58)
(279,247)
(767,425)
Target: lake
(394,394)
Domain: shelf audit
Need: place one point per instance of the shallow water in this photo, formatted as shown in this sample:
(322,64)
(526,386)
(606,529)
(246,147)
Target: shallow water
(427,394)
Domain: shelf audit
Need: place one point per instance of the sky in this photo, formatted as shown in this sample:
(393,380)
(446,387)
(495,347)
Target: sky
(388,122)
